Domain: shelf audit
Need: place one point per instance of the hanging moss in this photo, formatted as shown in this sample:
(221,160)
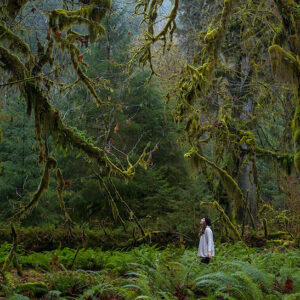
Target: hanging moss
(228,182)
(285,66)
(23,212)
(149,10)
(17,43)
(74,54)
(47,119)
(14,6)
(91,15)
(225,218)
(59,191)
(13,64)
(196,81)
(43,56)
(285,160)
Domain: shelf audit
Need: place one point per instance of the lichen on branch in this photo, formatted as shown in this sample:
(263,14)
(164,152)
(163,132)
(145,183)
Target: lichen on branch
(149,10)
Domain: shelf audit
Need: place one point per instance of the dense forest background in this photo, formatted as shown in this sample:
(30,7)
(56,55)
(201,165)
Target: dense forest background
(126,123)
(168,190)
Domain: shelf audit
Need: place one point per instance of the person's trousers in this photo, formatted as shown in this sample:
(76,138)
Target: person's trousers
(205,260)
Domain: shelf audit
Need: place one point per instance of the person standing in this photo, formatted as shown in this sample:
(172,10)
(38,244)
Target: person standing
(206,249)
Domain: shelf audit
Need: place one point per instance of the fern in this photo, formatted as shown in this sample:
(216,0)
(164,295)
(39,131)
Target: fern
(261,278)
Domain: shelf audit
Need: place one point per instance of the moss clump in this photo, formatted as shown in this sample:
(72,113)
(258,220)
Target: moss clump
(285,66)
(211,35)
(61,19)
(36,289)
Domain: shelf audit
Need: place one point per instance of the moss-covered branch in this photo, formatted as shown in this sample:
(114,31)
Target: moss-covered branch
(285,66)
(228,182)
(16,42)
(12,64)
(149,10)
(12,251)
(224,217)
(91,15)
(197,80)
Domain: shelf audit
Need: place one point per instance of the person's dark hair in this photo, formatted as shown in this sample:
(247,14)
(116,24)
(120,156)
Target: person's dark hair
(207,223)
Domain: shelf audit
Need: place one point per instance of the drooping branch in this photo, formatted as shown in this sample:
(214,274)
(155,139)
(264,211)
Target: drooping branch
(24,211)
(228,182)
(16,42)
(224,217)
(12,64)
(149,10)
(59,191)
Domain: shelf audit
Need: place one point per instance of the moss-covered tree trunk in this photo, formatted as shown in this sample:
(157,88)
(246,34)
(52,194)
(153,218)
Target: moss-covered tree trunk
(285,53)
(246,176)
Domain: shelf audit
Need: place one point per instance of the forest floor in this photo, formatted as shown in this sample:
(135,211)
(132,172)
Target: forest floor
(147,272)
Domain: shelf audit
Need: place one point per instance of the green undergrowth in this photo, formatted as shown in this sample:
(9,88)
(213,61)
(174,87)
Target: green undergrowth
(148,272)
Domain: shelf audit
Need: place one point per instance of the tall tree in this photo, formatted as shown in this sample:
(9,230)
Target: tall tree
(228,114)
(36,70)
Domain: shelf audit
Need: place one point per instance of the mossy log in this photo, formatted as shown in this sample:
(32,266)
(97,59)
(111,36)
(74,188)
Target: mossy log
(274,235)
(36,289)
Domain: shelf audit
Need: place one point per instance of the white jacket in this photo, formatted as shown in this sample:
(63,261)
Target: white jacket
(206,243)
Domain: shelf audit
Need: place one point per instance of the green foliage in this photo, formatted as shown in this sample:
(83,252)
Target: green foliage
(164,186)
(18,297)
(70,282)
(36,289)
(20,171)
(169,273)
